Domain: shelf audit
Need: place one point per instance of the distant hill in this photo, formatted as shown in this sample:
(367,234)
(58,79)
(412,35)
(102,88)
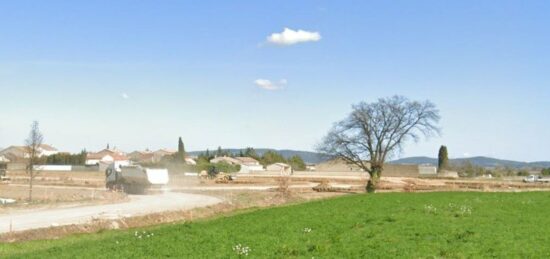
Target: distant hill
(308,156)
(478,161)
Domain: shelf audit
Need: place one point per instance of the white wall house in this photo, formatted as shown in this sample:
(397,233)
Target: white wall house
(21,152)
(248,164)
(190,161)
(281,168)
(251,168)
(107,156)
(47,150)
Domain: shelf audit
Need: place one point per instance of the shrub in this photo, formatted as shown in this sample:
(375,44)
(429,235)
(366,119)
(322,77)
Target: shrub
(523,173)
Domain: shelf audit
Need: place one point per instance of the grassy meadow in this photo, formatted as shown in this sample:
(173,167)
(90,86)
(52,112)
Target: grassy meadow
(406,225)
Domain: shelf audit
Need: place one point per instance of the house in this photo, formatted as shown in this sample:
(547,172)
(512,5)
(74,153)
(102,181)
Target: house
(281,168)
(3,159)
(47,150)
(108,156)
(20,153)
(15,153)
(155,157)
(3,167)
(190,161)
(142,157)
(248,164)
(226,159)
(159,154)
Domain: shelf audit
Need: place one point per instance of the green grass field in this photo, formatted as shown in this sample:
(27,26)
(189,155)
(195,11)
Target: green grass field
(449,225)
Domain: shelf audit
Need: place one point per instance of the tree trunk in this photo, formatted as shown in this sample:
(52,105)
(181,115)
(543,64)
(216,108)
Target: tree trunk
(30,186)
(374,173)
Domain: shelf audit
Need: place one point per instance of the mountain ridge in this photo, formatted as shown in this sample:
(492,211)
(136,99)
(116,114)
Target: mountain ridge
(482,161)
(309,157)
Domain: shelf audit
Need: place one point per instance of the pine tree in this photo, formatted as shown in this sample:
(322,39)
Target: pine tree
(297,163)
(443,159)
(250,152)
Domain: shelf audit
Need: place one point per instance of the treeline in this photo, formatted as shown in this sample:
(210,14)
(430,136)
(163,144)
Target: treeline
(268,158)
(468,169)
(64,159)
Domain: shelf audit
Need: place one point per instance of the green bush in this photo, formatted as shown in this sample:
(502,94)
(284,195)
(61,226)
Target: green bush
(215,168)
(523,173)
(64,159)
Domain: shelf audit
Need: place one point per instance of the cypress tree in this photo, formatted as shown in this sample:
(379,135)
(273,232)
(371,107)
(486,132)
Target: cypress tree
(443,159)
(181,150)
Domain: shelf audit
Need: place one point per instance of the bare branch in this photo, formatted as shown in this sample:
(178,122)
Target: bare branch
(373,131)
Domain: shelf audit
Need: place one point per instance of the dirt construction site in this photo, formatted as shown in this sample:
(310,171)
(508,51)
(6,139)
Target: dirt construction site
(78,202)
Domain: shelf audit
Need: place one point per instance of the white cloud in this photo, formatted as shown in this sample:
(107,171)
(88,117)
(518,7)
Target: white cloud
(124,96)
(268,85)
(290,37)
(466,154)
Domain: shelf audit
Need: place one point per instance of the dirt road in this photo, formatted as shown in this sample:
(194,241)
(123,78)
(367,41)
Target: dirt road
(138,205)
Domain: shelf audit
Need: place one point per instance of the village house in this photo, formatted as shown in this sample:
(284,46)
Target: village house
(107,157)
(157,156)
(142,156)
(281,168)
(20,153)
(190,160)
(247,164)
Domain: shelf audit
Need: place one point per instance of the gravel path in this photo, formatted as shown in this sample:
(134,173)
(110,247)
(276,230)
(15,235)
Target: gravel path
(138,205)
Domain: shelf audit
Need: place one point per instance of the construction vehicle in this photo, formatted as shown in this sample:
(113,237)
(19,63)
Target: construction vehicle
(135,179)
(223,178)
(536,179)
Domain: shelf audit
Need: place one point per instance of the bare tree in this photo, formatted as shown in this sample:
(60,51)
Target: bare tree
(33,143)
(374,131)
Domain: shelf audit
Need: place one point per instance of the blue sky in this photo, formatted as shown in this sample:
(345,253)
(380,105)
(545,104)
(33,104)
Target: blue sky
(138,74)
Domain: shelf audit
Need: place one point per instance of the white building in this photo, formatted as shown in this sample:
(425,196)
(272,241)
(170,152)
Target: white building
(108,156)
(190,161)
(22,152)
(282,168)
(248,164)
(47,150)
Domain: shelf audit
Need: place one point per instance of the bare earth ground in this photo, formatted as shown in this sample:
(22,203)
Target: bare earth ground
(67,203)
(137,205)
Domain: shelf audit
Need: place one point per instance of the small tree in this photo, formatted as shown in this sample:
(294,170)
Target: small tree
(373,131)
(297,163)
(250,152)
(270,157)
(33,143)
(443,159)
